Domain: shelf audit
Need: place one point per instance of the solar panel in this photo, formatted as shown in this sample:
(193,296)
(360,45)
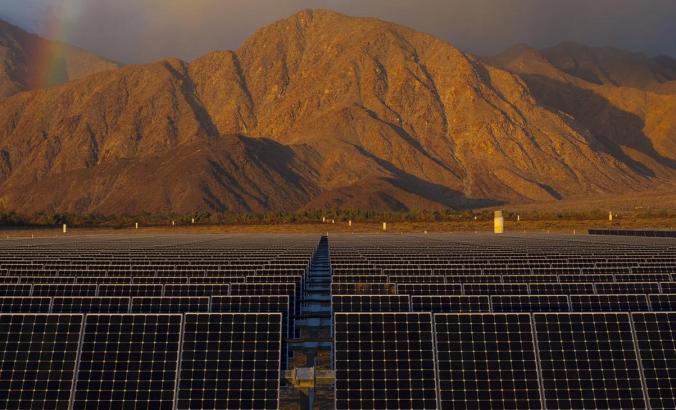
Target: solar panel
(588,360)
(486,361)
(259,304)
(580,278)
(230,361)
(128,361)
(417,279)
(370,303)
(667,287)
(581,288)
(163,280)
(609,303)
(253,289)
(170,304)
(530,278)
(656,340)
(39,355)
(64,290)
(363,289)
(473,279)
(429,289)
(90,305)
(197,289)
(530,303)
(663,302)
(496,289)
(642,277)
(24,304)
(627,287)
(359,278)
(130,290)
(15,289)
(384,360)
(450,303)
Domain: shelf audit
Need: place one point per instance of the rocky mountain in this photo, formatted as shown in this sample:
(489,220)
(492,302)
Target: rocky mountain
(29,62)
(610,66)
(324,110)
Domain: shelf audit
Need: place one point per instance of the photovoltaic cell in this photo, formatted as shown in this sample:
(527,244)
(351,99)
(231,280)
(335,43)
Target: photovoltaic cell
(230,361)
(450,303)
(429,289)
(588,360)
(197,289)
(170,304)
(90,305)
(64,290)
(384,361)
(130,290)
(128,361)
(496,289)
(363,289)
(486,361)
(530,303)
(609,303)
(39,355)
(24,304)
(582,288)
(663,302)
(627,288)
(656,339)
(359,278)
(15,289)
(667,287)
(370,303)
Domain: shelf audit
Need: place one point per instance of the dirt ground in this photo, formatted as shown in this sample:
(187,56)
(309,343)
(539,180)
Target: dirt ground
(529,226)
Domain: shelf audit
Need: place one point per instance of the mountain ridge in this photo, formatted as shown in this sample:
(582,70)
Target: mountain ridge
(21,68)
(318,110)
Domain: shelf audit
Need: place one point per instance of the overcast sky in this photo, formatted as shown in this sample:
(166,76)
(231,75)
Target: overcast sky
(138,31)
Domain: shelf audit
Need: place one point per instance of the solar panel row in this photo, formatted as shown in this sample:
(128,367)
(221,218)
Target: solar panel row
(505,360)
(504,303)
(201,360)
(422,287)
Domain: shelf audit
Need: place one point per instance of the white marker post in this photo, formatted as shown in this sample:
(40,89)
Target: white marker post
(323,219)
(193,221)
(65,228)
(349,223)
(518,218)
(498,223)
(610,216)
(136,225)
(384,226)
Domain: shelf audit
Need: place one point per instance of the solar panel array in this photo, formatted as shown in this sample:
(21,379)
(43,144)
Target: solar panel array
(517,322)
(148,322)
(418,321)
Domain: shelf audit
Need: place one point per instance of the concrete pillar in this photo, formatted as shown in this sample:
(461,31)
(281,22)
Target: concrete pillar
(498,223)
(65,228)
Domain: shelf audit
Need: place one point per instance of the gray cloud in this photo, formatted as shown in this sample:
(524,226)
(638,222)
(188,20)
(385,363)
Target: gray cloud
(137,31)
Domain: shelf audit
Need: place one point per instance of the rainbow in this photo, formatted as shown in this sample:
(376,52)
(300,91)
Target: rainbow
(49,58)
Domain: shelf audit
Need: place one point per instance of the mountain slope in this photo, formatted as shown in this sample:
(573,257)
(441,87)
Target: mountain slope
(317,110)
(29,62)
(641,124)
(610,66)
